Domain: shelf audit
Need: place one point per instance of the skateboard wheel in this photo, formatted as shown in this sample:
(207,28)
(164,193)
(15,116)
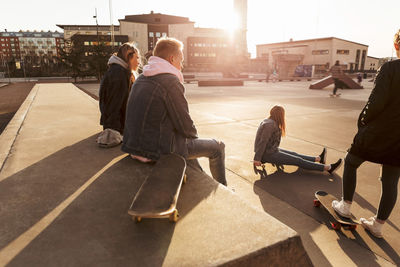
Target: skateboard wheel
(138,219)
(184,179)
(174,216)
(317,203)
(336,225)
(353,227)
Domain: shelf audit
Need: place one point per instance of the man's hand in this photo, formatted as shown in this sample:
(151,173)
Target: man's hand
(257,163)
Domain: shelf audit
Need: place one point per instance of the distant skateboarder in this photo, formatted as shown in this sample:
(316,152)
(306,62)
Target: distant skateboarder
(337,73)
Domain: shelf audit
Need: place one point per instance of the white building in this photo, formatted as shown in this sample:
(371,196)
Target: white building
(321,52)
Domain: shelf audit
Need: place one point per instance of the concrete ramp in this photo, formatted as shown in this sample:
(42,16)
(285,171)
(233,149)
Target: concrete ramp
(67,205)
(347,83)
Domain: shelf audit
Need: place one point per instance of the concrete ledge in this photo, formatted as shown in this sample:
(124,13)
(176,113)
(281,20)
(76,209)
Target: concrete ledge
(10,133)
(69,207)
(216,227)
(220,83)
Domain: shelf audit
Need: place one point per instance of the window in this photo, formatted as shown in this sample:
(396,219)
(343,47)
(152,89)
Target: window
(86,43)
(151,34)
(320,52)
(164,34)
(342,52)
(158,34)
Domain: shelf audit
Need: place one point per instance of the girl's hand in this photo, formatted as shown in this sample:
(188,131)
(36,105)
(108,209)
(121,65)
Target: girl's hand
(257,163)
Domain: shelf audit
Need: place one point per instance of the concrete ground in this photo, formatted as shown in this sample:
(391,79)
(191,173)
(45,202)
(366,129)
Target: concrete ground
(64,201)
(314,121)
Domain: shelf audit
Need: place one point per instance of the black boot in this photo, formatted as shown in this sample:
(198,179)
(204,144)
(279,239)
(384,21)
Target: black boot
(323,156)
(335,165)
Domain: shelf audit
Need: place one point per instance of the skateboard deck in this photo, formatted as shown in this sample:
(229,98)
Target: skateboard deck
(158,195)
(325,199)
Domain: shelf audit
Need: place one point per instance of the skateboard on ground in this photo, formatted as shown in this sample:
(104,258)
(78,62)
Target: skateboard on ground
(158,196)
(337,95)
(326,199)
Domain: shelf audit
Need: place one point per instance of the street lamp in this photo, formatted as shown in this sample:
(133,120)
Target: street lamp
(97,25)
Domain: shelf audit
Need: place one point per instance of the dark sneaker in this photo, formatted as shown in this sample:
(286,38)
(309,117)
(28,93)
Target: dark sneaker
(335,165)
(323,156)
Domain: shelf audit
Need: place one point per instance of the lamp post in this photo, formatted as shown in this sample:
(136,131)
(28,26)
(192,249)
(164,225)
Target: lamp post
(98,45)
(97,25)
(112,27)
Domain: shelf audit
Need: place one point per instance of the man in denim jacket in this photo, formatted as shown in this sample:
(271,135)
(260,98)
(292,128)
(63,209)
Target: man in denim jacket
(157,118)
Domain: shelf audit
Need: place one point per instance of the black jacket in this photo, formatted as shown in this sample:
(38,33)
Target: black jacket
(378,136)
(113,96)
(157,118)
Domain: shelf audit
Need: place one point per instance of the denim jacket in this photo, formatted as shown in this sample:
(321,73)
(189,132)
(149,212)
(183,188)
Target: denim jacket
(157,118)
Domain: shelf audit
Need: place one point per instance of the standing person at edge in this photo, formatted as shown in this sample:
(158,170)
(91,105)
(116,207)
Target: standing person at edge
(337,73)
(114,92)
(268,138)
(158,120)
(377,140)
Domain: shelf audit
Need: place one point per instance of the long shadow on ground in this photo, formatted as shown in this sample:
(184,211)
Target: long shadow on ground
(298,188)
(95,229)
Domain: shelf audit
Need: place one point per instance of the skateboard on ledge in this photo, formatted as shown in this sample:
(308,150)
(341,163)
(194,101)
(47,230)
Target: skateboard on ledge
(158,196)
(325,199)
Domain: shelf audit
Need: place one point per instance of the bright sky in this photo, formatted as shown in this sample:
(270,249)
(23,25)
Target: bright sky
(368,22)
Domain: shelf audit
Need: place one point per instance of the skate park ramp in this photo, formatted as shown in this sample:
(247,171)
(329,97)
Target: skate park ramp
(347,83)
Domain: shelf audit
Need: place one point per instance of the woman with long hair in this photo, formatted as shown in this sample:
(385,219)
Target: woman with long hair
(114,91)
(268,138)
(377,140)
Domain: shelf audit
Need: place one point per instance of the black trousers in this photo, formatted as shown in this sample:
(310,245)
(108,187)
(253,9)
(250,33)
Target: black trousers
(389,181)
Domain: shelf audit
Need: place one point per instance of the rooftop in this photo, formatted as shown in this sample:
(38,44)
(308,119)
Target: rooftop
(309,40)
(32,34)
(156,18)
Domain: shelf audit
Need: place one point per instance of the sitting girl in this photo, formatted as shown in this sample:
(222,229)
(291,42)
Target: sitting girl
(266,146)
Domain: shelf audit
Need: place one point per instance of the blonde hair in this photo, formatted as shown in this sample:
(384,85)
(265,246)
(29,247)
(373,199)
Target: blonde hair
(397,37)
(277,114)
(166,47)
(126,51)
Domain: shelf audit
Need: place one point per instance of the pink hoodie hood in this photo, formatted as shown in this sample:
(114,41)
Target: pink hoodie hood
(157,65)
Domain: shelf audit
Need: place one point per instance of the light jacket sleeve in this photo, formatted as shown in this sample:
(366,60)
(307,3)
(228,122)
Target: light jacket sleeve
(264,133)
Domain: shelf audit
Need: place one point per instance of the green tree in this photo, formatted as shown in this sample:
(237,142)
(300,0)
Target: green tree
(99,58)
(72,56)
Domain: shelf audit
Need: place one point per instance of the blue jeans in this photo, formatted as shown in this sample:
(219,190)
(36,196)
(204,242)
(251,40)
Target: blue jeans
(212,149)
(389,180)
(286,157)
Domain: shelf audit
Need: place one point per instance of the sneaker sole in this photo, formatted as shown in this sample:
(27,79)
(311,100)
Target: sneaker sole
(372,233)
